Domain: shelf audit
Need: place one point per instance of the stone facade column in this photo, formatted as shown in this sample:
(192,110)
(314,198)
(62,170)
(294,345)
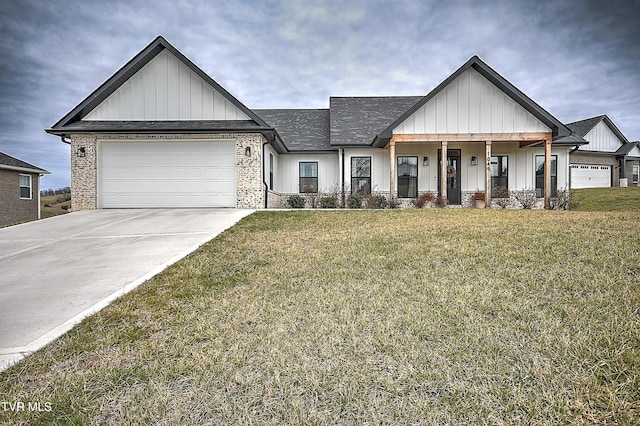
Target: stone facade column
(249,181)
(84,172)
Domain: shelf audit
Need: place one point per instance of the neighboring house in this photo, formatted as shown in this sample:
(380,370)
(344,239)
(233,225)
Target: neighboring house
(19,190)
(609,159)
(162,133)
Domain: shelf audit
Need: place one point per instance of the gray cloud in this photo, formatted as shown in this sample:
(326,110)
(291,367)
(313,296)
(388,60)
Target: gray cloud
(577,59)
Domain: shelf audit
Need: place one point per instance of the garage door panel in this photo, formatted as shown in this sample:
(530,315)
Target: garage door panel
(167,173)
(590,176)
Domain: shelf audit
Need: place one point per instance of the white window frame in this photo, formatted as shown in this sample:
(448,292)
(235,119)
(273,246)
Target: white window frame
(634,174)
(24,186)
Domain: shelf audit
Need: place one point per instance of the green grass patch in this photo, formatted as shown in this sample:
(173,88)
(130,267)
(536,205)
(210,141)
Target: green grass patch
(606,199)
(382,317)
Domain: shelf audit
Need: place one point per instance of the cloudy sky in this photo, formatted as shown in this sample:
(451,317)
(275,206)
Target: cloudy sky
(576,58)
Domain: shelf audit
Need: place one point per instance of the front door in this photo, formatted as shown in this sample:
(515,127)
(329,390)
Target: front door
(454,194)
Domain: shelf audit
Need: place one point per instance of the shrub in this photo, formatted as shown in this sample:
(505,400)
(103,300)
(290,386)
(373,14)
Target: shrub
(376,202)
(479,196)
(354,201)
(502,196)
(422,200)
(63,198)
(561,201)
(526,198)
(65,207)
(46,205)
(328,202)
(393,203)
(441,202)
(295,201)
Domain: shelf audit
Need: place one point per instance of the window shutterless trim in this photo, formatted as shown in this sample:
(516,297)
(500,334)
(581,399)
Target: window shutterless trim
(355,177)
(29,187)
(311,179)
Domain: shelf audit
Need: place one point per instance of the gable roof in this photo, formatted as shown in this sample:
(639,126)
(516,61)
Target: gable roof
(356,120)
(582,127)
(300,129)
(129,70)
(559,129)
(7,162)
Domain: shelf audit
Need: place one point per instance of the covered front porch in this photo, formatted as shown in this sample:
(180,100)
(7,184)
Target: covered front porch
(475,162)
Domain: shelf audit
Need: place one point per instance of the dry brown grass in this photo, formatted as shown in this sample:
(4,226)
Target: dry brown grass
(382,317)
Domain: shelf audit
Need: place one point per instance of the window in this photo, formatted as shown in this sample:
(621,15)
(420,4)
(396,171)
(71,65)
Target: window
(309,177)
(634,175)
(25,187)
(499,173)
(271,172)
(407,177)
(360,175)
(540,175)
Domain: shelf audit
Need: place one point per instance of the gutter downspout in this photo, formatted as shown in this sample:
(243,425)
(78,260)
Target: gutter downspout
(39,189)
(264,182)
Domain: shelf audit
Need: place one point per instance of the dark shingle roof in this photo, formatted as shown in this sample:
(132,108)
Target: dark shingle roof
(357,120)
(583,127)
(300,129)
(13,163)
(626,148)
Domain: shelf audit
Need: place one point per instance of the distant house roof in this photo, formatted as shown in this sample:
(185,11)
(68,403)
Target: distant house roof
(559,129)
(300,129)
(7,162)
(355,121)
(582,127)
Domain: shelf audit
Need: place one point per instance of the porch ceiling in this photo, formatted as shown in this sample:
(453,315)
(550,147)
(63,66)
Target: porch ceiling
(474,137)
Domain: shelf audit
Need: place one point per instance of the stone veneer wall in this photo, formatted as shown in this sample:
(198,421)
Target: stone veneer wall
(84,170)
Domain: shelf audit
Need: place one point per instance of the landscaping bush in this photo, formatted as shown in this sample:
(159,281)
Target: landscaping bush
(393,203)
(441,202)
(501,196)
(377,202)
(65,207)
(526,198)
(561,201)
(295,201)
(354,201)
(422,200)
(328,202)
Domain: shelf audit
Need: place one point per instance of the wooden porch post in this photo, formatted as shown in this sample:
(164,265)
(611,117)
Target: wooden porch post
(392,168)
(487,173)
(443,171)
(547,172)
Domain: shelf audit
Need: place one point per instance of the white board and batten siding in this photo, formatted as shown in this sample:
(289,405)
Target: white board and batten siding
(471,104)
(288,179)
(176,173)
(601,138)
(165,89)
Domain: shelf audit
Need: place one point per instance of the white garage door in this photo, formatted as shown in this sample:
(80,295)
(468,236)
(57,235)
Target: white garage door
(177,173)
(590,176)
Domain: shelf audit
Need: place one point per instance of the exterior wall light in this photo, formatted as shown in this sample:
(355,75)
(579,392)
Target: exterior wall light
(81,152)
(425,161)
(474,160)
(247,151)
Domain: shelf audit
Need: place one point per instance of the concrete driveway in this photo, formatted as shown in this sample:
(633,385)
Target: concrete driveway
(56,271)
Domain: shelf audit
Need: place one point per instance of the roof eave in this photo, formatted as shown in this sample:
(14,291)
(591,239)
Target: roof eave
(24,169)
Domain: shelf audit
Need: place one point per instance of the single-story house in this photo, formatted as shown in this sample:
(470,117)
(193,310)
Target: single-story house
(162,133)
(609,159)
(19,190)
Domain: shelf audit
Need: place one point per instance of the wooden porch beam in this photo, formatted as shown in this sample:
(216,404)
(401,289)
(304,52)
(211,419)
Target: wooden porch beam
(443,170)
(392,168)
(547,173)
(472,137)
(487,174)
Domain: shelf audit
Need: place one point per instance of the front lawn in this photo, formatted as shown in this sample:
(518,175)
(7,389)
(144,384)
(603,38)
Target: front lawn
(606,199)
(381,317)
